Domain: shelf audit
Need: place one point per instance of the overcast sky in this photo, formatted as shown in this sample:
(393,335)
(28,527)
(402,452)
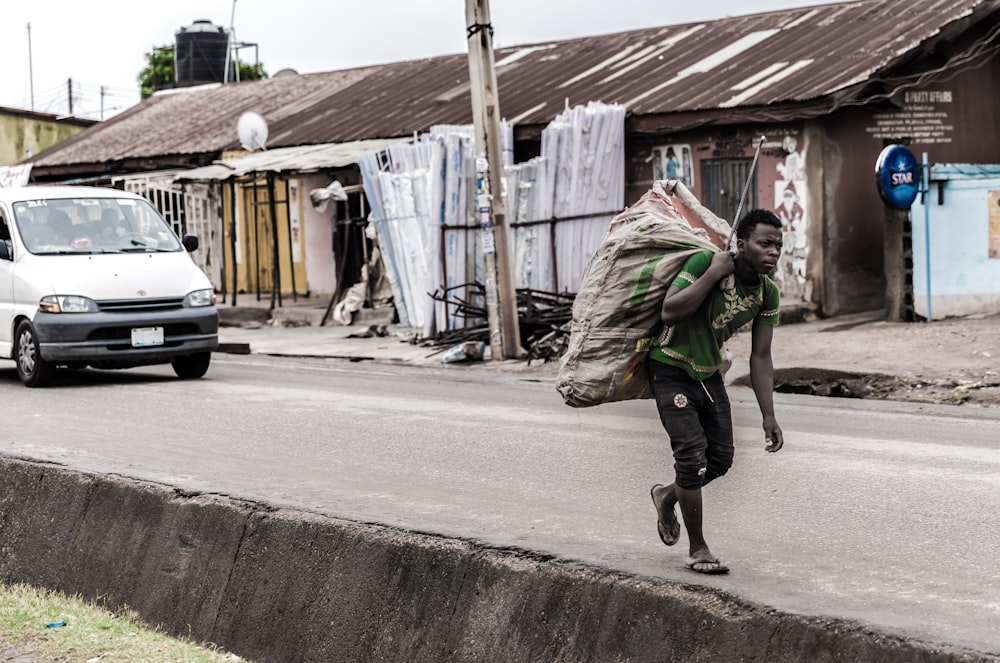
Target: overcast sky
(101,44)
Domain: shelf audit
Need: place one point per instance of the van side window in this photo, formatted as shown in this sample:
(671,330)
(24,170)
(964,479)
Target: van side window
(5,235)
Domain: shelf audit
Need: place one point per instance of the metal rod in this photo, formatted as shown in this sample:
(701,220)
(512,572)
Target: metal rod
(233,229)
(927,230)
(256,236)
(31,72)
(291,248)
(275,245)
(230,45)
(743,196)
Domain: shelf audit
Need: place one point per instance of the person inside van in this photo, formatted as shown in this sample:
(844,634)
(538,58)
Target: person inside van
(68,233)
(35,232)
(61,225)
(107,228)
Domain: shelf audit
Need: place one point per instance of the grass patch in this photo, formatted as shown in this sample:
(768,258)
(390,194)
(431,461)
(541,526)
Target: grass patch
(58,627)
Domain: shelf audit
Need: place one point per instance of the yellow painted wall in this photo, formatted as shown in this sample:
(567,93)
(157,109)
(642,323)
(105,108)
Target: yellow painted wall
(23,135)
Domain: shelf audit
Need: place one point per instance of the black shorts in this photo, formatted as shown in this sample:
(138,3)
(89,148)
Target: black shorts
(698,420)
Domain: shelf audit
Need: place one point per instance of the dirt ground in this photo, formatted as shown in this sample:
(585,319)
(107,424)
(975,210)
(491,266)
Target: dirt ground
(954,361)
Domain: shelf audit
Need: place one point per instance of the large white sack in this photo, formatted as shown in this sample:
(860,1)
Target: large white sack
(616,313)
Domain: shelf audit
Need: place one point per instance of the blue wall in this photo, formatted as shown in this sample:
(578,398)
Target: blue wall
(964,279)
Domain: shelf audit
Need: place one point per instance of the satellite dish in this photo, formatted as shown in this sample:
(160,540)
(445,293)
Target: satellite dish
(252,130)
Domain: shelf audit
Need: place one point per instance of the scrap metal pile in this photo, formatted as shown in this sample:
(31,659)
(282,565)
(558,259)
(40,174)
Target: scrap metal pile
(543,318)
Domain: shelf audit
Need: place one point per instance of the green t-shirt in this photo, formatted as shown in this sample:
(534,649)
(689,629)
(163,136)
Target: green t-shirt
(695,344)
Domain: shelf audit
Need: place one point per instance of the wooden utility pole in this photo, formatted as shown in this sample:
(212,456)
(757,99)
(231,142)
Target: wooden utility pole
(501,296)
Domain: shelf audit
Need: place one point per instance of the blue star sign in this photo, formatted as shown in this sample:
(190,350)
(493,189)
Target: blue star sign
(897,175)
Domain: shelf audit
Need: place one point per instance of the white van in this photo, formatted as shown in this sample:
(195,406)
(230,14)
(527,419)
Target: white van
(96,277)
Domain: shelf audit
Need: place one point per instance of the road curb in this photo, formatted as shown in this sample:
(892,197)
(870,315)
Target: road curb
(234,348)
(278,584)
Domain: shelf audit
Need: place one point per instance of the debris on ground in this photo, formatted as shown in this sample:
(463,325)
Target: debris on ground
(543,320)
(467,351)
(381,331)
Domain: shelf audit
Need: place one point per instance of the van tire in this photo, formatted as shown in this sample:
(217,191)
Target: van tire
(31,368)
(192,366)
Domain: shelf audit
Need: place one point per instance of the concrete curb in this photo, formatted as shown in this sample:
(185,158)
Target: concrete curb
(280,585)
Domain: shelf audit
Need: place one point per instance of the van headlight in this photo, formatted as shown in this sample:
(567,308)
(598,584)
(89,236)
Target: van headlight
(204,297)
(67,304)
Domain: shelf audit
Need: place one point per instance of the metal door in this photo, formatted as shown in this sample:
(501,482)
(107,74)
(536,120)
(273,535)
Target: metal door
(722,185)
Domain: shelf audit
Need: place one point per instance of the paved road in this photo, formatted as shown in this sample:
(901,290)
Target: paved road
(885,513)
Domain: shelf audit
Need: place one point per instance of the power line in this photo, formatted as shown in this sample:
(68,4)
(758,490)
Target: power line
(88,101)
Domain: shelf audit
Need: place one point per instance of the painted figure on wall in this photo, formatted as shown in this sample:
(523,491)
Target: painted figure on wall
(789,210)
(673,162)
(790,207)
(672,165)
(793,167)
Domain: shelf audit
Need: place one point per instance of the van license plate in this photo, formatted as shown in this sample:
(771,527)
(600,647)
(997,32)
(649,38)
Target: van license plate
(145,336)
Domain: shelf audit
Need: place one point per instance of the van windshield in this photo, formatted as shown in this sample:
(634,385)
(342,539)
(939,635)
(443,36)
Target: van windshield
(92,225)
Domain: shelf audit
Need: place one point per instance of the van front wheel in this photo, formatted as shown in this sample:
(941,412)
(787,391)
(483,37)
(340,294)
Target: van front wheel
(192,366)
(31,368)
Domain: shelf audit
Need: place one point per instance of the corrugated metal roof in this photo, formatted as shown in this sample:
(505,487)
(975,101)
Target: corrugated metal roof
(47,117)
(822,54)
(301,159)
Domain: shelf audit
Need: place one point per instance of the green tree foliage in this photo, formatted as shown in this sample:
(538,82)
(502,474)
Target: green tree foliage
(251,72)
(159,71)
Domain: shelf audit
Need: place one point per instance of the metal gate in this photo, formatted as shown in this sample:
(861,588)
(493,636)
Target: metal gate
(722,185)
(193,209)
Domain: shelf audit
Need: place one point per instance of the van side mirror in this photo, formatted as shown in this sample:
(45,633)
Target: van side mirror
(6,250)
(190,242)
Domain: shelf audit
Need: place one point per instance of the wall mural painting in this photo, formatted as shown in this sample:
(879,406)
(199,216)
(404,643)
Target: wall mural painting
(673,162)
(790,206)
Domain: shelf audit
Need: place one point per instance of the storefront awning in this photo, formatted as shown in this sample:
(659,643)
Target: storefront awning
(301,159)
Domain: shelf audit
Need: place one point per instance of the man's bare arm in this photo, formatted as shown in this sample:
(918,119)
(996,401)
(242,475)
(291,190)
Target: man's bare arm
(762,381)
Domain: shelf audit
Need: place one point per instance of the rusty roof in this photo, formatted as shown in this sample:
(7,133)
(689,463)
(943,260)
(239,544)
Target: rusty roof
(815,57)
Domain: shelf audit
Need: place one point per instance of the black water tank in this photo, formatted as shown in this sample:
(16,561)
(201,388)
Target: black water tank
(201,53)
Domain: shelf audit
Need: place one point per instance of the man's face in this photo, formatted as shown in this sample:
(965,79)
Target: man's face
(762,248)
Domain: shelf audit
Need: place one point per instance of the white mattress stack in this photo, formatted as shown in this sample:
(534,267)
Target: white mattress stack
(587,145)
(423,209)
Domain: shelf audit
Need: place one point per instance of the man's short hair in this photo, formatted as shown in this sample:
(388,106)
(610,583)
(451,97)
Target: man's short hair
(752,218)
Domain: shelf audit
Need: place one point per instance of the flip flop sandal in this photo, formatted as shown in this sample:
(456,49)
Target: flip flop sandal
(669,529)
(709,566)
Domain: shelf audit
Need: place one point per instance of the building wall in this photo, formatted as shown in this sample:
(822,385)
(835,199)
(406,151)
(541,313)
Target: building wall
(834,238)
(715,164)
(853,217)
(321,268)
(23,134)
(953,121)
(956,243)
(336,234)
